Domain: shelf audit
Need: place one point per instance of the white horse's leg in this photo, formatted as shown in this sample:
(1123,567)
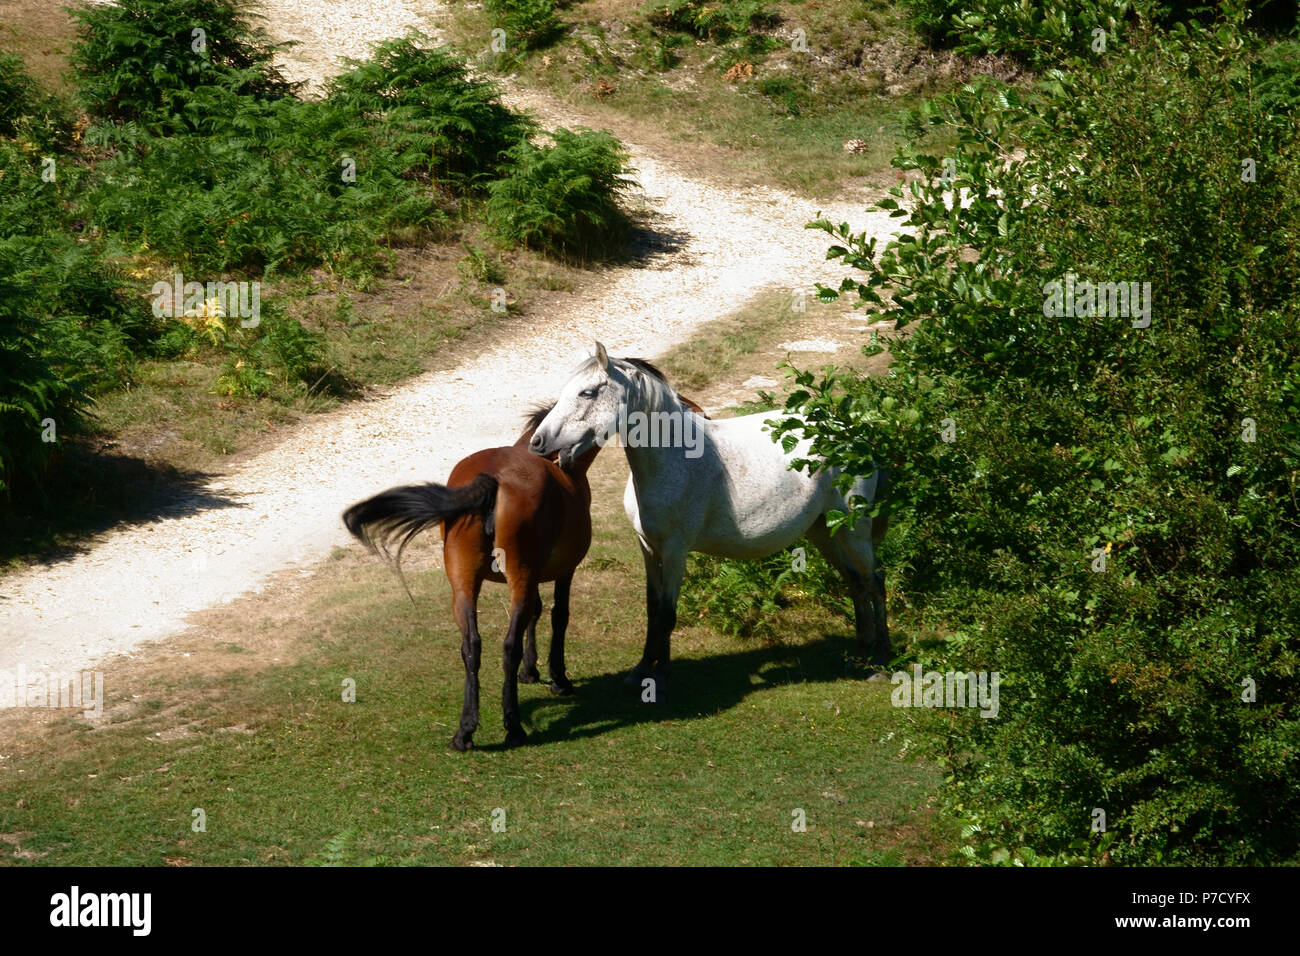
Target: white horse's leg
(664,570)
(861,544)
(832,548)
(853,555)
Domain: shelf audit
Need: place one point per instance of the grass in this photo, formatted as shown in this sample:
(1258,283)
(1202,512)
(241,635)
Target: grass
(784,125)
(245,719)
(286,772)
(716,347)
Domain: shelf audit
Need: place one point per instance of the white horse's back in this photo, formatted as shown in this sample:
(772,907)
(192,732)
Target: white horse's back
(738,499)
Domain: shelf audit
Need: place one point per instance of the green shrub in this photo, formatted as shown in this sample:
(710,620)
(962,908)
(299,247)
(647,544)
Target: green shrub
(1041,34)
(68,325)
(18,93)
(259,187)
(142,60)
(1044,34)
(563,198)
(32,390)
(478,266)
(298,353)
(1104,514)
(741,598)
(268,185)
(530,24)
(421,103)
(276,357)
(790,94)
(933,19)
(28,112)
(718,21)
(661,50)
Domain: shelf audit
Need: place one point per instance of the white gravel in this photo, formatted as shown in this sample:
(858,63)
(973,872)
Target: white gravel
(140,583)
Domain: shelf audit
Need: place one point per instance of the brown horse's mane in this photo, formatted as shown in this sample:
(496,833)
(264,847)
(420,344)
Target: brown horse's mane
(534,417)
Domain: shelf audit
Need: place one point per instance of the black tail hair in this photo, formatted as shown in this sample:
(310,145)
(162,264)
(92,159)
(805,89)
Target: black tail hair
(399,514)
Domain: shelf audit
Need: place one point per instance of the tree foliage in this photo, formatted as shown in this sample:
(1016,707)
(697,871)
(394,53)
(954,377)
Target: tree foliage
(1103,510)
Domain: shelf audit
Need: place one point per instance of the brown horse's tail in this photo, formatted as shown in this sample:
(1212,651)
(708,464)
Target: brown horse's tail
(399,514)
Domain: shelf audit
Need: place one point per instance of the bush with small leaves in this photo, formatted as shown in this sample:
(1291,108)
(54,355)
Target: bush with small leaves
(1048,32)
(1100,489)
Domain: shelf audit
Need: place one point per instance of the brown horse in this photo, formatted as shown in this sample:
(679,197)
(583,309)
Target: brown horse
(509,516)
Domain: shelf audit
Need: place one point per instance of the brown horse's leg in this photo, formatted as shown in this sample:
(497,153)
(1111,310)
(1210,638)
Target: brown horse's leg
(471,649)
(524,602)
(528,673)
(463,560)
(560,683)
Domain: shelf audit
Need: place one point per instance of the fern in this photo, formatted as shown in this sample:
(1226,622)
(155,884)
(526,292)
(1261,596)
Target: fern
(421,103)
(563,198)
(338,851)
(530,24)
(143,60)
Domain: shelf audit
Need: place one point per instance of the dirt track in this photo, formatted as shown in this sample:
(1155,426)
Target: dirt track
(715,249)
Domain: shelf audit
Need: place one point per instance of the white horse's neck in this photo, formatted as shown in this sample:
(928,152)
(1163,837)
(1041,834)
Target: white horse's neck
(650,462)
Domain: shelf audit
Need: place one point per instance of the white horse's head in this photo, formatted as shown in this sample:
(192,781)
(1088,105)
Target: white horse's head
(586,413)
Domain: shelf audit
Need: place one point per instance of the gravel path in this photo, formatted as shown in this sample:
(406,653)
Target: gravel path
(140,583)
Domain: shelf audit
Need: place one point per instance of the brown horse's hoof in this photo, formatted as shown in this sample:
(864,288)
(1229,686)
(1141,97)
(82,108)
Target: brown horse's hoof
(516,738)
(562,690)
(529,676)
(462,743)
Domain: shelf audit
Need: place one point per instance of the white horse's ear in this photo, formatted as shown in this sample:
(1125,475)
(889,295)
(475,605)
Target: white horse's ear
(602,356)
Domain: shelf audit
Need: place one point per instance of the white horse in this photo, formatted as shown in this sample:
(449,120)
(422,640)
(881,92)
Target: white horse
(721,487)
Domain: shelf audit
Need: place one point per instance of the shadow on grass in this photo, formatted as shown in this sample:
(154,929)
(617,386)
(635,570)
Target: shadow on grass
(90,491)
(696,687)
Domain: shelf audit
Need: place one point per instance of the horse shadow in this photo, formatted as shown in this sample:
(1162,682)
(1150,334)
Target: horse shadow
(697,687)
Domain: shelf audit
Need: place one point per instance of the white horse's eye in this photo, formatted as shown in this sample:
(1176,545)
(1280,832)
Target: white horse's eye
(589,392)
